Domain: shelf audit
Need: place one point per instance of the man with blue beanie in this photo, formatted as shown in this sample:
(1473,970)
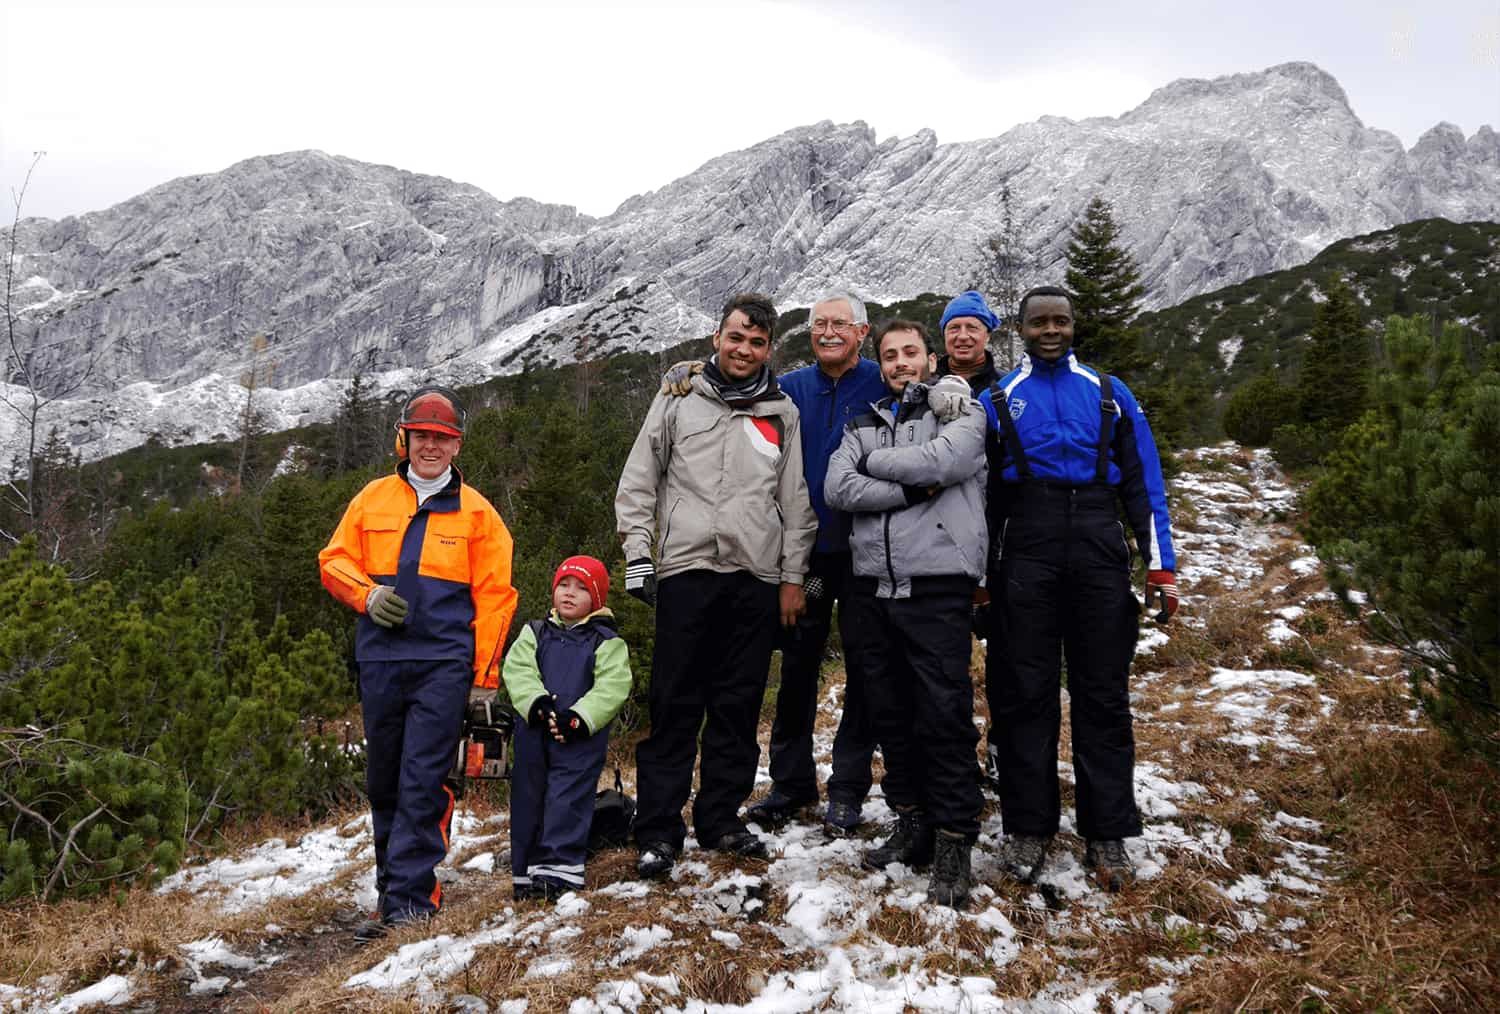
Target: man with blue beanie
(1069,447)
(966,326)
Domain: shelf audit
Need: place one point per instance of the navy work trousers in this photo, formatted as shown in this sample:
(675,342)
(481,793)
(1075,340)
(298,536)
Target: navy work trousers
(552,789)
(1064,591)
(713,647)
(413,714)
(792,768)
(913,656)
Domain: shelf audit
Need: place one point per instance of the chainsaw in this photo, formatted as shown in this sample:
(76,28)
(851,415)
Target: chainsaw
(483,746)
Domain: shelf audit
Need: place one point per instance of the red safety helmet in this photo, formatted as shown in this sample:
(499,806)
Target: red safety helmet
(434,409)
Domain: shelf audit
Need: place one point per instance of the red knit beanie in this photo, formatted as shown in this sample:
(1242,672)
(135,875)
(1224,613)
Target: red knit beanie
(588,570)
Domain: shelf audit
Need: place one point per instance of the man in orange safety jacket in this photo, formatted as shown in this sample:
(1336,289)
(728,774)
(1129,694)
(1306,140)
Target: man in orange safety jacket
(426,562)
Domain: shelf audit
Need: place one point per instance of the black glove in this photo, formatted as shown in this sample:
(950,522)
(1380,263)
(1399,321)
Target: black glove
(572,726)
(640,580)
(917,494)
(813,588)
(542,711)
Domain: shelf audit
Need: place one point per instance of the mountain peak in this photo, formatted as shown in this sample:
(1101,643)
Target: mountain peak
(1298,77)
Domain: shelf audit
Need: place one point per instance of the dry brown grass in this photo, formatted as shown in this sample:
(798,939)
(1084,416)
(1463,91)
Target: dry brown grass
(1414,921)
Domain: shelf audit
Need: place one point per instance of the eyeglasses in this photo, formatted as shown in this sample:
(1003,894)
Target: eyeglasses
(821,326)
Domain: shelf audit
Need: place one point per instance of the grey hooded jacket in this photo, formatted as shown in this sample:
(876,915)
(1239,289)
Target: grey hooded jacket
(718,488)
(916,489)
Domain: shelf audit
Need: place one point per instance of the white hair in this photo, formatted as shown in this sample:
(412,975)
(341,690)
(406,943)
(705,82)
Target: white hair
(856,307)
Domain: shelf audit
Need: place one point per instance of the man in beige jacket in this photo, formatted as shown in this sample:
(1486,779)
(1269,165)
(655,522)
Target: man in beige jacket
(715,481)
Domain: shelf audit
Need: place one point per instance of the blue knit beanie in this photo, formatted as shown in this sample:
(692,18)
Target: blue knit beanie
(970,304)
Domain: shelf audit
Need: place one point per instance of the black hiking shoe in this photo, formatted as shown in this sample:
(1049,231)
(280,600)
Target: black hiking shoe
(656,860)
(777,808)
(951,880)
(1111,866)
(1023,855)
(841,819)
(741,843)
(909,843)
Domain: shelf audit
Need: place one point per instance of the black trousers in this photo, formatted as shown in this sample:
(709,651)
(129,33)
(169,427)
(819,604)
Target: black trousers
(792,768)
(1064,591)
(913,656)
(713,647)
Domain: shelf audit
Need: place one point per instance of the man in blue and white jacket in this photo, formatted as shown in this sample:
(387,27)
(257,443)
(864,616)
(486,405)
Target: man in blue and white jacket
(1069,447)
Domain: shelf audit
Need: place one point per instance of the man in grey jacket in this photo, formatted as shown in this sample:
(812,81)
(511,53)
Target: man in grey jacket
(715,481)
(915,487)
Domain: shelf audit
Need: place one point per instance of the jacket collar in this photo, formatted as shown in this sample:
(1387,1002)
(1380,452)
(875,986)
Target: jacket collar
(604,616)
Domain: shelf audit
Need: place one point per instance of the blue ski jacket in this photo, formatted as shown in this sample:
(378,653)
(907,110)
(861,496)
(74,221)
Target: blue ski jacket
(1055,407)
(826,406)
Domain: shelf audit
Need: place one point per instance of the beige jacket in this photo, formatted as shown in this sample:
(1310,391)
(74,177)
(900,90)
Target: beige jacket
(718,488)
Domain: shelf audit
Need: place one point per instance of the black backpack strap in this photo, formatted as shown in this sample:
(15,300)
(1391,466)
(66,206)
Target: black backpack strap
(619,784)
(1107,412)
(1008,430)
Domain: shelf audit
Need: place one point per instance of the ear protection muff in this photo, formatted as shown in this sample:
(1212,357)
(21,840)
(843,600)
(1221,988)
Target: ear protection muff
(460,420)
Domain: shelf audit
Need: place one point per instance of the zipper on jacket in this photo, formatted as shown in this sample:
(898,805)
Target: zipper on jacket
(890,566)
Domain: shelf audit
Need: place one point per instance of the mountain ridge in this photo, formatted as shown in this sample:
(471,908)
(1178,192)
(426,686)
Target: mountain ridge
(344,267)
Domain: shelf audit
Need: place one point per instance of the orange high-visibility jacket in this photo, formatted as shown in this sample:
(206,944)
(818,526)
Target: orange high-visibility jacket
(450,560)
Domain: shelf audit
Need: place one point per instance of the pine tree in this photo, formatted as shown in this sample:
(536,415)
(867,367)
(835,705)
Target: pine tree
(1332,386)
(1106,288)
(1408,510)
(1004,266)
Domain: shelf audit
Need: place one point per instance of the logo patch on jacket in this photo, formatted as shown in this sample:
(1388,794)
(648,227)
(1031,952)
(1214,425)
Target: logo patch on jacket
(1017,406)
(765,436)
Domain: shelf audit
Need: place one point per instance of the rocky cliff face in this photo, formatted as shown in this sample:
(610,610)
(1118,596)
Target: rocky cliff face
(342,266)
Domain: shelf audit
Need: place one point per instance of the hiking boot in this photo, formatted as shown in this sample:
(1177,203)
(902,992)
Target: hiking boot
(741,843)
(1023,855)
(841,819)
(1111,865)
(656,860)
(951,880)
(523,892)
(547,890)
(910,843)
(777,808)
(370,930)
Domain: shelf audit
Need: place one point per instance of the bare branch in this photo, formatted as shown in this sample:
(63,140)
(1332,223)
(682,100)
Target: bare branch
(62,858)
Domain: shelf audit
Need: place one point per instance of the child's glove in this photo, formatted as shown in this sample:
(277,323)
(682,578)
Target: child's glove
(572,727)
(640,580)
(541,714)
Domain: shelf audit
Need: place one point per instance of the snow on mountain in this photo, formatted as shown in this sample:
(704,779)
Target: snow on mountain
(343,266)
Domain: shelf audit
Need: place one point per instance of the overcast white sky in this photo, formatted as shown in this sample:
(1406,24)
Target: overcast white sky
(589,103)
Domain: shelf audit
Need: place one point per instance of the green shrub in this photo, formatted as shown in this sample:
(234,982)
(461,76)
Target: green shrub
(1409,510)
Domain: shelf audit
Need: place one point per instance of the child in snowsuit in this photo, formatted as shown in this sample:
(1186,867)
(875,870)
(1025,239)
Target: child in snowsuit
(566,676)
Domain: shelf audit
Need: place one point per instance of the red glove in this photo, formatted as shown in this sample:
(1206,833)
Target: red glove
(1162,586)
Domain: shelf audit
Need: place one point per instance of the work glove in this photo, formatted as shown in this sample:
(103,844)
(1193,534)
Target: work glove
(949,398)
(814,588)
(385,607)
(542,713)
(640,580)
(571,726)
(1161,588)
(677,382)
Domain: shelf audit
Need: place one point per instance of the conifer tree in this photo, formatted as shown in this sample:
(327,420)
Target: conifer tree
(1408,510)
(1332,385)
(1106,288)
